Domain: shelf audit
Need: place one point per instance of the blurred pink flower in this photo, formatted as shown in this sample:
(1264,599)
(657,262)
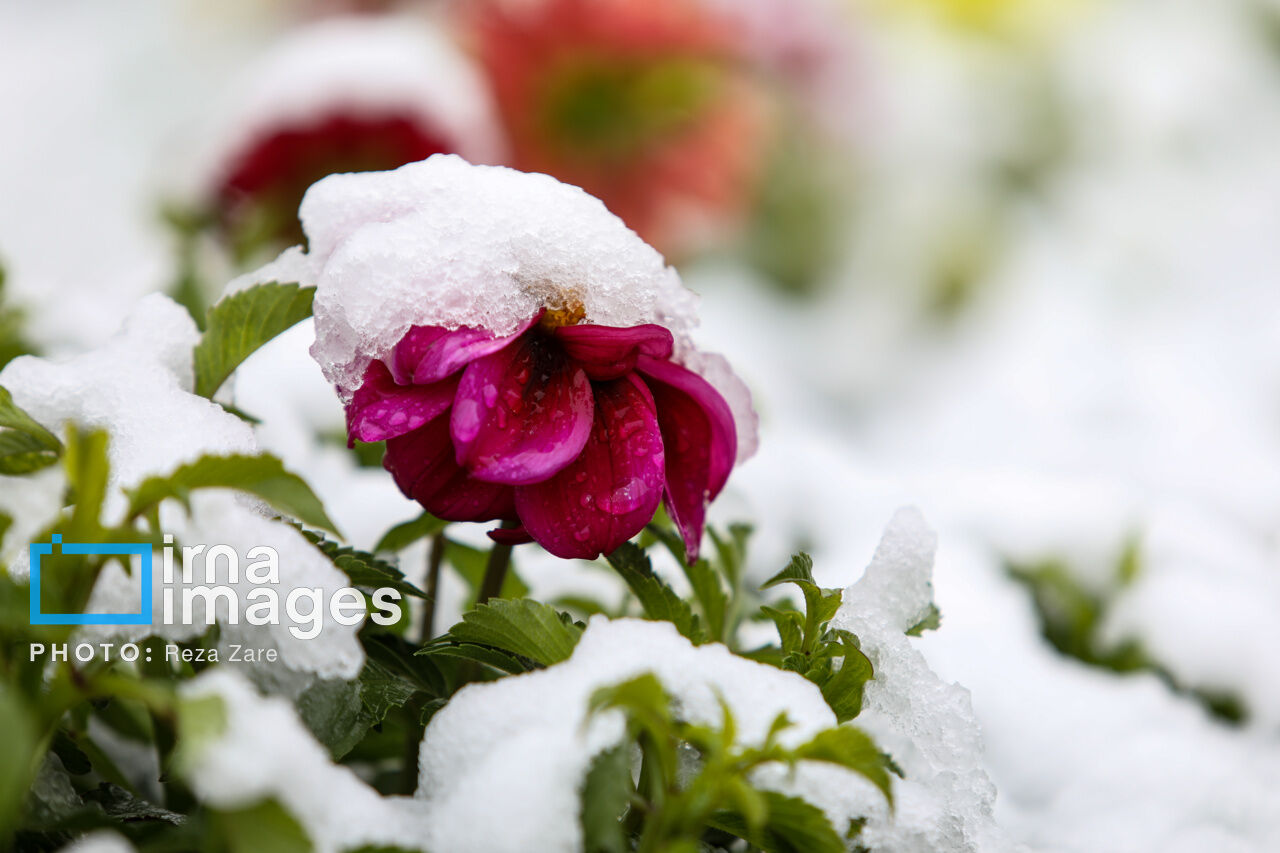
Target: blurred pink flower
(575,431)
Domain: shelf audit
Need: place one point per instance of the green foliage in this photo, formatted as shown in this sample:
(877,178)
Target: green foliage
(1072,615)
(241,323)
(667,809)
(25,445)
(811,648)
(262,828)
(263,475)
(362,568)
(406,533)
(53,715)
(522,627)
(18,754)
(658,600)
(605,796)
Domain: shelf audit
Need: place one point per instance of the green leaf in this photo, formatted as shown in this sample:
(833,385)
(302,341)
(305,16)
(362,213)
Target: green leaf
(264,476)
(491,657)
(733,552)
(523,627)
(852,749)
(362,568)
(25,445)
(843,689)
(263,828)
(333,712)
(932,621)
(406,533)
(799,571)
(643,697)
(792,826)
(120,805)
(658,600)
(88,471)
(241,323)
(605,794)
(790,627)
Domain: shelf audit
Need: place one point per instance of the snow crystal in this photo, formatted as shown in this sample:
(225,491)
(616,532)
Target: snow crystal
(137,387)
(946,801)
(366,65)
(442,242)
(521,746)
(266,753)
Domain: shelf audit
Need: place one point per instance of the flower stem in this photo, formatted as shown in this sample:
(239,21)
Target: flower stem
(435,556)
(496,570)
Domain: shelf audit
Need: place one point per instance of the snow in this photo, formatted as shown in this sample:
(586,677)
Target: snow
(102,841)
(946,800)
(137,387)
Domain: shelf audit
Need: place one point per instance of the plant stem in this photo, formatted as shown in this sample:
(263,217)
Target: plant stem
(435,556)
(496,570)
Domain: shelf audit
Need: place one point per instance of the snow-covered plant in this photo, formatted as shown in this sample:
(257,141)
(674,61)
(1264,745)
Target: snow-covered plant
(525,358)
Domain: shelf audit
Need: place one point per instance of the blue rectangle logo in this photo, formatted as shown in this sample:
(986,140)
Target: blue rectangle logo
(141,549)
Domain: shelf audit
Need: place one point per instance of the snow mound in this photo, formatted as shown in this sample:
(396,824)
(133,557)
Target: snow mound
(946,801)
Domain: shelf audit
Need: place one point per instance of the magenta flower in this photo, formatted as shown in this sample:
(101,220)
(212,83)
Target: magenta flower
(575,431)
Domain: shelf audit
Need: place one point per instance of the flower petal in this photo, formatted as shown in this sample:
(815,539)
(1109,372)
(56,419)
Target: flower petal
(700,440)
(522,413)
(423,466)
(382,409)
(607,352)
(510,535)
(612,489)
(430,353)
